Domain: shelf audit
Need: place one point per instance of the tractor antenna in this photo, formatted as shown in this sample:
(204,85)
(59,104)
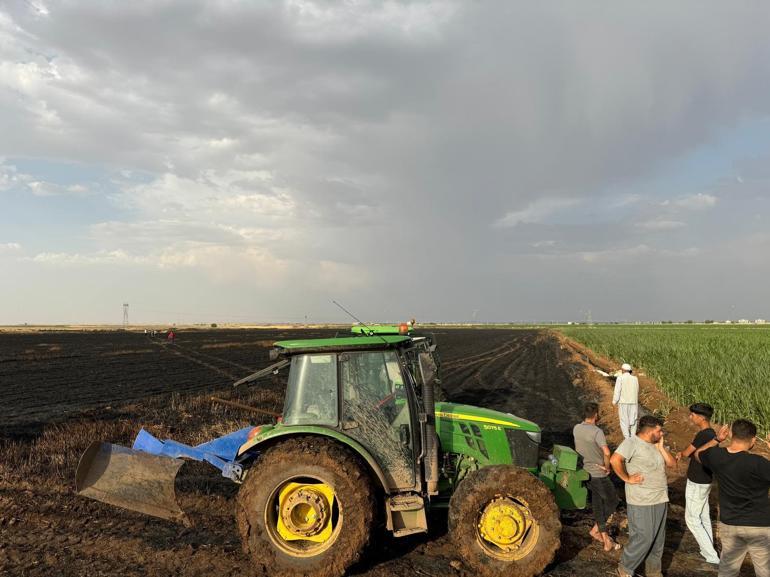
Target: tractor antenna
(371,332)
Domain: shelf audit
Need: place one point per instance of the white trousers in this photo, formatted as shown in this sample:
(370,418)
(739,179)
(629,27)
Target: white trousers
(698,519)
(629,415)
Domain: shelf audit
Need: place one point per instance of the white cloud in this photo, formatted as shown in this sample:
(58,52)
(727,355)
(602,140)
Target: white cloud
(222,265)
(40,188)
(616,255)
(543,244)
(10,177)
(661,224)
(537,211)
(697,201)
(230,195)
(102,257)
(9,247)
(629,255)
(636,255)
(220,262)
(626,200)
(319,21)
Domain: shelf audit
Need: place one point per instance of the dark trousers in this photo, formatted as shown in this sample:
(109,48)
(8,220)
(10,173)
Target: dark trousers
(604,500)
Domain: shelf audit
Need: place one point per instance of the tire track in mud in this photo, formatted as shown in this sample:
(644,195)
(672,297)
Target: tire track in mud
(196,356)
(52,376)
(473,371)
(482,358)
(523,376)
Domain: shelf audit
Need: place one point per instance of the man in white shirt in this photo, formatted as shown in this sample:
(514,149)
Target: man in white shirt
(626,397)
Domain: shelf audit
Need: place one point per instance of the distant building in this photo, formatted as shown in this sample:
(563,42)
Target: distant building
(760,322)
(728,322)
(744,321)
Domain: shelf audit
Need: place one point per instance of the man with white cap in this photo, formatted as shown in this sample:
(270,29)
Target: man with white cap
(626,397)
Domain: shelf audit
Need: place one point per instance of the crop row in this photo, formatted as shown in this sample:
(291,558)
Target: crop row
(727,367)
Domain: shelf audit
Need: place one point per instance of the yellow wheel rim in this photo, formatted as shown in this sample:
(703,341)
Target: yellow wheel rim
(303,518)
(506,529)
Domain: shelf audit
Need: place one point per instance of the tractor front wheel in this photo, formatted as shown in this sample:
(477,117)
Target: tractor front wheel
(504,521)
(306,508)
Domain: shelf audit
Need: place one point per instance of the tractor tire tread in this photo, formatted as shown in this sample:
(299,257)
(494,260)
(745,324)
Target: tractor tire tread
(477,489)
(352,483)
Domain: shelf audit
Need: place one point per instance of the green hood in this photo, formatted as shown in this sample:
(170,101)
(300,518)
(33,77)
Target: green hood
(458,412)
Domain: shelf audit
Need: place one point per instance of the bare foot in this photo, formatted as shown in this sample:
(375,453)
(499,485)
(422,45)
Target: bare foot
(611,545)
(597,536)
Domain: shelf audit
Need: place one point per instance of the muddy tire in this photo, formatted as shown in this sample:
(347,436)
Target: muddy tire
(350,514)
(504,521)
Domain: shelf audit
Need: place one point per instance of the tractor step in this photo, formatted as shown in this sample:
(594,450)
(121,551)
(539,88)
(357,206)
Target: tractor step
(406,514)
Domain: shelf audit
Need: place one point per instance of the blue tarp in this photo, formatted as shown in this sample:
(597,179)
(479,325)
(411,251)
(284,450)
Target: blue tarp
(219,452)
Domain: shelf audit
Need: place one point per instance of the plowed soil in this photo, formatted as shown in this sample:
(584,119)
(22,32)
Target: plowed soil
(59,391)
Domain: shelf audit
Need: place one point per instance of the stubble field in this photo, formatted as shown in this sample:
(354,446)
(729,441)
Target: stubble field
(62,390)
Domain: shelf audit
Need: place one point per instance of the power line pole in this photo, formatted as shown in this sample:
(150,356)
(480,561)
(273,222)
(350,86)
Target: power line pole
(125,316)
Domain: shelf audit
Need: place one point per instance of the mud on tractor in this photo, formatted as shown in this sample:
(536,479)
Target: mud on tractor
(363,442)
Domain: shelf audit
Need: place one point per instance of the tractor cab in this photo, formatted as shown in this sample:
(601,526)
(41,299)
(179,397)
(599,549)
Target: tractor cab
(366,389)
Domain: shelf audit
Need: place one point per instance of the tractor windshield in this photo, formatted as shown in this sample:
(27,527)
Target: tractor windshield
(311,395)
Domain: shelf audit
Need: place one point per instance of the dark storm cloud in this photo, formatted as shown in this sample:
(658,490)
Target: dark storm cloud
(488,148)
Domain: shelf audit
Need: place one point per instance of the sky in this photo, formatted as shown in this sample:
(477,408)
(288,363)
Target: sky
(224,161)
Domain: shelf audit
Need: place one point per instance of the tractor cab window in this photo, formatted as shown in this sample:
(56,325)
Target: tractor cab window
(376,411)
(311,395)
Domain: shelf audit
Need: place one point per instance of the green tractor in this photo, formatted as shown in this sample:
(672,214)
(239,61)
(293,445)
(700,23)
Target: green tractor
(362,443)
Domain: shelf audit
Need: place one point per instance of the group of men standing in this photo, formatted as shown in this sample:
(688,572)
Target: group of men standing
(641,461)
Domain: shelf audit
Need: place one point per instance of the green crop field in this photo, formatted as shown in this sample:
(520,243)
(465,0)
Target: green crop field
(725,366)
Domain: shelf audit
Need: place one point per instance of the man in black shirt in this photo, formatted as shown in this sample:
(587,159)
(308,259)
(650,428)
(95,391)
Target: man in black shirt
(696,511)
(744,505)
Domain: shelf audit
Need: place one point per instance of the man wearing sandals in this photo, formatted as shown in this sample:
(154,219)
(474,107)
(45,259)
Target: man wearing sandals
(641,463)
(591,445)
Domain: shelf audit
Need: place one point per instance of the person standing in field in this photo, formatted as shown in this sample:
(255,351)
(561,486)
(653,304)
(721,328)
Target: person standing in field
(744,505)
(641,462)
(626,397)
(591,445)
(696,511)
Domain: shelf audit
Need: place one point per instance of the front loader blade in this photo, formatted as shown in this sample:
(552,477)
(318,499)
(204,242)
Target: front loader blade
(130,479)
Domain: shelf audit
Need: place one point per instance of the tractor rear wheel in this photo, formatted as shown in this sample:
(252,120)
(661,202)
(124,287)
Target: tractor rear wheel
(307,507)
(504,521)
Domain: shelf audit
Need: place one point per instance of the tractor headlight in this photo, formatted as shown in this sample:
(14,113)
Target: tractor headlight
(535,436)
